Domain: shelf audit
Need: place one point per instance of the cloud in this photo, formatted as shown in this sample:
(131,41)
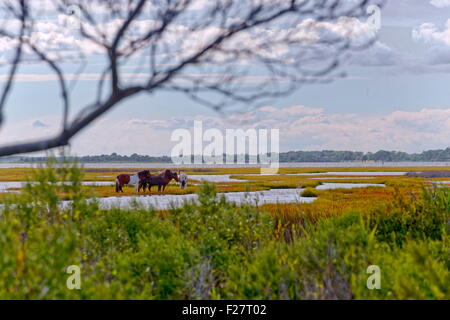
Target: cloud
(438,41)
(309,128)
(379,54)
(301,128)
(181,40)
(440,3)
(178,42)
(430,33)
(437,55)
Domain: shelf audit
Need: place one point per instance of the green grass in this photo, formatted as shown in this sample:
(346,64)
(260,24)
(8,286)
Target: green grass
(217,250)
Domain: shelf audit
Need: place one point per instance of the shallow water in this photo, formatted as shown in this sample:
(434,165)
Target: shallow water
(341,178)
(335,173)
(354,173)
(214,178)
(226,177)
(5,185)
(163,202)
(329,186)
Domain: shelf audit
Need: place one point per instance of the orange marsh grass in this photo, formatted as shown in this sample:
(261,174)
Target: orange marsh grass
(291,218)
(106,174)
(338,201)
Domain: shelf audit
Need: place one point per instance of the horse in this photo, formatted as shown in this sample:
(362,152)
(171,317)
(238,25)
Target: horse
(161,180)
(183,179)
(135,179)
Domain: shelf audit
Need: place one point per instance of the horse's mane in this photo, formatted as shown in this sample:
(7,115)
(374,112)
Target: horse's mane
(144,173)
(167,173)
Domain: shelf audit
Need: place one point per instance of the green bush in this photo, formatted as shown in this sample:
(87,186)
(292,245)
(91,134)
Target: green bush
(425,218)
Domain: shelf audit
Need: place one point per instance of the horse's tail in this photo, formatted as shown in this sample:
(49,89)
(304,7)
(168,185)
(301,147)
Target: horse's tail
(117,184)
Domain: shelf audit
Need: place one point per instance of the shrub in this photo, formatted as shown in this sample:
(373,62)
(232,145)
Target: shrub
(423,218)
(309,193)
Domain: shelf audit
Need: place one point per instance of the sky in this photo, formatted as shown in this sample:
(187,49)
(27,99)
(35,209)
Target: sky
(395,95)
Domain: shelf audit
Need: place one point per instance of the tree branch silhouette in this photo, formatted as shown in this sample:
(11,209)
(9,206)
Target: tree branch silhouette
(221,53)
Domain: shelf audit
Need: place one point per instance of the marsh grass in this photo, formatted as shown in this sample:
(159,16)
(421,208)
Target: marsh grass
(219,250)
(109,174)
(309,193)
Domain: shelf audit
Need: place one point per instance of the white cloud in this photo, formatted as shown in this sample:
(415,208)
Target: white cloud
(180,41)
(430,33)
(440,3)
(313,129)
(437,55)
(379,54)
(301,128)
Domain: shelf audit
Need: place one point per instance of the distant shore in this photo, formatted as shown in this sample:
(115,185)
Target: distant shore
(293,158)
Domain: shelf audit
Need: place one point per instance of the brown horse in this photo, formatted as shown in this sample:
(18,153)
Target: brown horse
(134,179)
(161,180)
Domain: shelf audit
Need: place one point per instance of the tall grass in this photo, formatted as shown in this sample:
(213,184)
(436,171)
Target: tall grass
(217,250)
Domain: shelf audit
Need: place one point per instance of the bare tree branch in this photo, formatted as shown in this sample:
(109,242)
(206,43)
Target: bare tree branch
(240,52)
(18,55)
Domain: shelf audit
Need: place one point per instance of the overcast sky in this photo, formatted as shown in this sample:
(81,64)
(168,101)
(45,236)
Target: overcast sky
(395,96)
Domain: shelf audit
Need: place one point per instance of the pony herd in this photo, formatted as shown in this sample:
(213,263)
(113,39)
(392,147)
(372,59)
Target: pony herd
(144,179)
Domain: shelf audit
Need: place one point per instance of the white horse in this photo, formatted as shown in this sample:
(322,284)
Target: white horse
(183,179)
(134,181)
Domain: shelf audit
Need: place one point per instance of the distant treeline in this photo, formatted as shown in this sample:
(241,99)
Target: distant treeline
(113,157)
(382,155)
(291,156)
